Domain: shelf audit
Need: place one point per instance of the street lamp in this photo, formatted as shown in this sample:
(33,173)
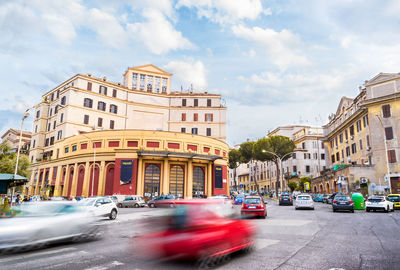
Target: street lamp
(386,152)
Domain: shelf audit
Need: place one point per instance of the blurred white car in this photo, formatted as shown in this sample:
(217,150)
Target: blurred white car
(379,203)
(304,202)
(101,207)
(39,223)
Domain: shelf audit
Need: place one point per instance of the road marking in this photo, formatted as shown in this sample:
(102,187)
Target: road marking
(105,266)
(287,222)
(18,257)
(262,243)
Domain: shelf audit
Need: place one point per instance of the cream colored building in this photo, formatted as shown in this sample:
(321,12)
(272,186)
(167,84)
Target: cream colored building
(144,101)
(11,136)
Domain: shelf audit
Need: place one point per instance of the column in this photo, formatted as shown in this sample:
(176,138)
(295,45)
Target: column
(86,180)
(165,180)
(140,177)
(66,182)
(189,182)
(49,179)
(58,179)
(100,186)
(209,179)
(74,180)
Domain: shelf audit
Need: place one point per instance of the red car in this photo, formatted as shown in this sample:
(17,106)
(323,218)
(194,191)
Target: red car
(254,206)
(195,231)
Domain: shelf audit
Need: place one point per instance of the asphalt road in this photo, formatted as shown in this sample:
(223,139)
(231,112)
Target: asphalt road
(287,239)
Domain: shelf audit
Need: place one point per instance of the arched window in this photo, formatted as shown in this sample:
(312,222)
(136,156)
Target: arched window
(198,181)
(88,103)
(151,181)
(101,106)
(176,181)
(113,108)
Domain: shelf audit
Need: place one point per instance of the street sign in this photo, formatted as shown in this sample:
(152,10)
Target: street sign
(307,185)
(241,185)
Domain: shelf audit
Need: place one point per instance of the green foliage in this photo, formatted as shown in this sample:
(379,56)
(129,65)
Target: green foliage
(303,180)
(234,158)
(246,151)
(8,160)
(280,145)
(292,185)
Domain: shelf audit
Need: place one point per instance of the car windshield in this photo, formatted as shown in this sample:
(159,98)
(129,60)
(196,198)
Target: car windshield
(394,198)
(342,198)
(375,199)
(45,209)
(252,201)
(285,196)
(303,198)
(87,202)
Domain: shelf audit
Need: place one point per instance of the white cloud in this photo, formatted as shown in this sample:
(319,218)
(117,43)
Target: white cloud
(187,73)
(282,48)
(158,34)
(226,11)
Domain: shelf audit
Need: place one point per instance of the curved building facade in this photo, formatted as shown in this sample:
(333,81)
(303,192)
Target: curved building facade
(141,162)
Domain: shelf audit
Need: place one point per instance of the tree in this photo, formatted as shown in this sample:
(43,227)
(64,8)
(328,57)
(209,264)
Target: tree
(280,146)
(246,150)
(292,185)
(233,163)
(302,181)
(8,160)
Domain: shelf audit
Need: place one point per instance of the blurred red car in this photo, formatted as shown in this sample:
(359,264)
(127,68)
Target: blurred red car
(254,206)
(195,231)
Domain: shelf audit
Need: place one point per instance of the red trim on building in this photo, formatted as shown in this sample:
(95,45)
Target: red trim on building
(81,177)
(153,144)
(132,143)
(113,144)
(126,189)
(224,154)
(63,175)
(96,180)
(192,147)
(54,176)
(110,172)
(71,177)
(174,145)
(206,149)
(83,146)
(217,152)
(97,145)
(224,189)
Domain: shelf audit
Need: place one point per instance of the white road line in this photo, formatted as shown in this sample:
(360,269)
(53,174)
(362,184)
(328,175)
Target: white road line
(105,266)
(287,222)
(262,243)
(18,257)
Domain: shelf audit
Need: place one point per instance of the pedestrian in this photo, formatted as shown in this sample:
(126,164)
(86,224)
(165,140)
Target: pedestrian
(18,200)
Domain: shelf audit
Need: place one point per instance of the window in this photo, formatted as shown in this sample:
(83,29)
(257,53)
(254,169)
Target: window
(37,114)
(87,102)
(61,118)
(54,124)
(333,158)
(114,94)
(352,130)
(184,102)
(51,140)
(336,141)
(113,109)
(195,117)
(164,85)
(134,81)
(183,130)
(89,86)
(358,123)
(294,169)
(389,133)
(103,90)
(345,135)
(56,109)
(141,82)
(361,147)
(194,130)
(305,156)
(307,168)
(63,100)
(52,96)
(101,106)
(183,116)
(322,156)
(353,148)
(303,145)
(337,156)
(100,122)
(365,120)
(149,83)
(294,155)
(51,112)
(208,117)
(157,84)
(74,148)
(322,145)
(66,149)
(208,131)
(111,124)
(33,144)
(195,102)
(46,142)
(341,137)
(208,102)
(386,111)
(347,151)
(331,142)
(48,127)
(368,140)
(58,93)
(59,135)
(391,156)
(86,119)
(35,129)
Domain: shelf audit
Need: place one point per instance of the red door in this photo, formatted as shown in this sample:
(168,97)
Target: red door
(94,183)
(109,180)
(81,177)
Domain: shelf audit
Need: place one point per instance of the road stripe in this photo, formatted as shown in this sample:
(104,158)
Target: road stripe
(40,253)
(262,243)
(105,266)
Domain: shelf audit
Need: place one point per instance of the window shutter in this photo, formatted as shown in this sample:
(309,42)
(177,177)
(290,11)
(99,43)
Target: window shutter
(183,116)
(89,86)
(205,118)
(389,133)
(212,117)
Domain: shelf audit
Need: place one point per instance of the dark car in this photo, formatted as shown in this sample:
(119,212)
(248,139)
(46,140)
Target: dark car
(342,202)
(285,199)
(156,202)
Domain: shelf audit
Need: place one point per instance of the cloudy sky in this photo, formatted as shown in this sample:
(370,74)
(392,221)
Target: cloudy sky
(274,62)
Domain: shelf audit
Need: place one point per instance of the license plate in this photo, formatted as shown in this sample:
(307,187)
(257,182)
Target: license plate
(252,207)
(342,203)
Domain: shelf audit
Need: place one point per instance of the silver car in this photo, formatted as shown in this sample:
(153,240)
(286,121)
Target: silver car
(304,202)
(39,223)
(132,201)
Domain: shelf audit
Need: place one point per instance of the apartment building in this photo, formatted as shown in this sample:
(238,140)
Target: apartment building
(11,136)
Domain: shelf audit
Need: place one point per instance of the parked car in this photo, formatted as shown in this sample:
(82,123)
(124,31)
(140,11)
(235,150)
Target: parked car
(58,198)
(375,203)
(132,201)
(254,206)
(239,198)
(101,207)
(329,200)
(304,201)
(395,199)
(285,199)
(156,202)
(113,198)
(195,231)
(325,198)
(318,198)
(219,197)
(342,202)
(41,223)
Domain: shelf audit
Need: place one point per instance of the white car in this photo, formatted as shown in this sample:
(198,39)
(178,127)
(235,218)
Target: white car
(379,203)
(304,202)
(101,207)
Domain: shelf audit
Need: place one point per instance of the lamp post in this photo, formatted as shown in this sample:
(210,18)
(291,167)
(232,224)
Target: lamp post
(386,152)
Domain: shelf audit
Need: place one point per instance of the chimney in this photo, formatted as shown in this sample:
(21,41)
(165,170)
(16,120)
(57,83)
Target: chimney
(104,78)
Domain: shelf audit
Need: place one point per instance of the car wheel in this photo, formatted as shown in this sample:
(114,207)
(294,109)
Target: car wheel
(113,214)
(367,209)
(387,209)
(136,205)
(119,205)
(352,211)
(333,209)
(152,205)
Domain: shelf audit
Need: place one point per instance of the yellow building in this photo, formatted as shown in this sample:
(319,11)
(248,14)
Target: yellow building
(363,140)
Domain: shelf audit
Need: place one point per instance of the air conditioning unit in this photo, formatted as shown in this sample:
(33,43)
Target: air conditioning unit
(336,147)
(363,180)
(346,141)
(366,162)
(368,148)
(352,137)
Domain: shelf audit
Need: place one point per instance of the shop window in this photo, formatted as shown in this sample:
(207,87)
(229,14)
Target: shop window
(176,181)
(198,181)
(152,181)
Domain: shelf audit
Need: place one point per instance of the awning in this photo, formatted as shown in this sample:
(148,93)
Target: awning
(178,155)
(8,179)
